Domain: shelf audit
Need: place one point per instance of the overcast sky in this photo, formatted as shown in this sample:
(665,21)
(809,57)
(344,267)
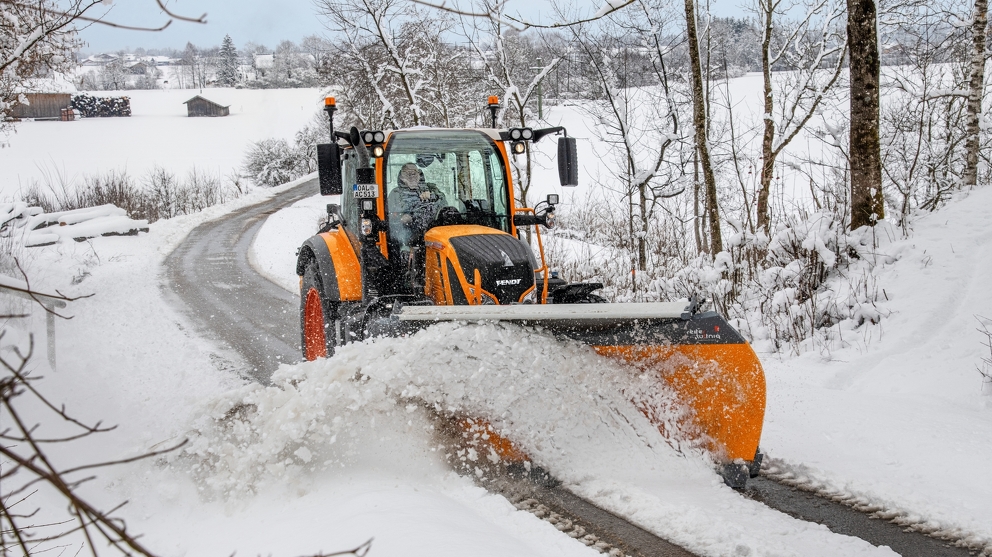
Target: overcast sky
(261,21)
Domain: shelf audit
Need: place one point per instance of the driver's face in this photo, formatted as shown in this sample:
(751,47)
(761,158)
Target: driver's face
(409,176)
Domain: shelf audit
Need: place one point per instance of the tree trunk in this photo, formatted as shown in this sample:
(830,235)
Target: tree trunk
(768,138)
(642,238)
(867,203)
(699,122)
(976,90)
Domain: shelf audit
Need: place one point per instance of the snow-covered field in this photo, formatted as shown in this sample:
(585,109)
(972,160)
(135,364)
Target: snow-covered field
(157,134)
(899,422)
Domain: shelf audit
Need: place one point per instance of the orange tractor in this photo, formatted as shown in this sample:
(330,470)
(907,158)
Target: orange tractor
(428,230)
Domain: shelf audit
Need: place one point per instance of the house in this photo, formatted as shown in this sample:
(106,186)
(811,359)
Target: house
(100,59)
(264,61)
(199,106)
(139,68)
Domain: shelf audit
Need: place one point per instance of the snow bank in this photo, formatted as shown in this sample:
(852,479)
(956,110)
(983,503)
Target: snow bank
(32,227)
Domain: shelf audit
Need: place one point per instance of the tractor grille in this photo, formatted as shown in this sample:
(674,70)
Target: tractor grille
(502,260)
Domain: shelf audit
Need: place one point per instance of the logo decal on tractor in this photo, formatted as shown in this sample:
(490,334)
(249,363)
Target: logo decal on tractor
(507,262)
(508,282)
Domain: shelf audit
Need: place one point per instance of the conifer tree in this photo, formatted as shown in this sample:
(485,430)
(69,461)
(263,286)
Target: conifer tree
(227,73)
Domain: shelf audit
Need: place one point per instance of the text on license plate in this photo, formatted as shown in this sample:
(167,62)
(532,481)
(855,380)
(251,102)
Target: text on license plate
(366,191)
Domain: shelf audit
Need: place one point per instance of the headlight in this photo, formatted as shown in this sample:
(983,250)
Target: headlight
(527,134)
(488,300)
(379,137)
(517,147)
(366,227)
(549,220)
(515,134)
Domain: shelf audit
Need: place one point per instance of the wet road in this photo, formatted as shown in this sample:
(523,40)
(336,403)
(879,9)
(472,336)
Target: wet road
(231,303)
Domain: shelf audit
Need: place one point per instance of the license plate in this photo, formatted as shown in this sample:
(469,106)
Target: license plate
(366,191)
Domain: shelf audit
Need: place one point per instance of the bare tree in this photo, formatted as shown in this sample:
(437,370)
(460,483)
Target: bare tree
(639,126)
(510,69)
(976,91)
(813,51)
(924,117)
(701,126)
(393,66)
(867,201)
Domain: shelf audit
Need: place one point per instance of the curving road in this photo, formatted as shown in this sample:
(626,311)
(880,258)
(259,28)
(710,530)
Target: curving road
(235,306)
(231,303)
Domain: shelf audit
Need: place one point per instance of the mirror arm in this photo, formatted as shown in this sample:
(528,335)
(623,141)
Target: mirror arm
(538,134)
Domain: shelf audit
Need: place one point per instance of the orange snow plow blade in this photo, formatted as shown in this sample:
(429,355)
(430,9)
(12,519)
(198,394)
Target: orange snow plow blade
(708,364)
(723,384)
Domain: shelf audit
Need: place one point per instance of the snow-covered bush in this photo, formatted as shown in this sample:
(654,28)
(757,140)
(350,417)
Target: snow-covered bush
(800,289)
(159,195)
(271,162)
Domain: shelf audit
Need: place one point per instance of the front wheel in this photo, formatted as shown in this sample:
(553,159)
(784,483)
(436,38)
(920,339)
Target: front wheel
(318,333)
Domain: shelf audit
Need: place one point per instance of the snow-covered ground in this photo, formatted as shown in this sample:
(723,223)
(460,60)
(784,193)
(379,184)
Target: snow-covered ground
(158,133)
(899,422)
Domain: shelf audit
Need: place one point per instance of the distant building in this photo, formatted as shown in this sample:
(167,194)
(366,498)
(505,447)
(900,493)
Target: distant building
(264,61)
(199,106)
(139,68)
(42,106)
(100,59)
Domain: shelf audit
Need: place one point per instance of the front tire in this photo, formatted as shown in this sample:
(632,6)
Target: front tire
(318,334)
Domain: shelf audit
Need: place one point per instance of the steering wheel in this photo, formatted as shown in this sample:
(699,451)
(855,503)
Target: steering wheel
(448,215)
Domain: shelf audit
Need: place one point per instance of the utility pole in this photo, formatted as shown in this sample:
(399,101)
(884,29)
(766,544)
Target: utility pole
(540,99)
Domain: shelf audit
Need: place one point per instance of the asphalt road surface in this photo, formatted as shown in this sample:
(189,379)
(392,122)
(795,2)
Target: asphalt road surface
(229,301)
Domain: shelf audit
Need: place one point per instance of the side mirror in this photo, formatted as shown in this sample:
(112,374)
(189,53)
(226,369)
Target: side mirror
(568,162)
(329,168)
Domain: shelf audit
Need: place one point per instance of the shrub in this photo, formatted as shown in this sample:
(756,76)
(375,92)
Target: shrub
(271,162)
(159,195)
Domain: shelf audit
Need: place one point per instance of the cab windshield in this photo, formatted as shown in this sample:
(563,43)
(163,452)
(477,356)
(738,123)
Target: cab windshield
(463,169)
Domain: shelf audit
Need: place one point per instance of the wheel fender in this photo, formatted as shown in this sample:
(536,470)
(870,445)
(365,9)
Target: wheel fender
(340,272)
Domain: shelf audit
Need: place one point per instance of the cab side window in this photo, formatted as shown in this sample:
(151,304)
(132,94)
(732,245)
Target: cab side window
(349,207)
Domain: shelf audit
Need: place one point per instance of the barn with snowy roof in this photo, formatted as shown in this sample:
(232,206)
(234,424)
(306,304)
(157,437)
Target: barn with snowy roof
(199,106)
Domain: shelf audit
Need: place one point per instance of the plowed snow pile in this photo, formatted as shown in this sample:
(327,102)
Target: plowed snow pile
(560,402)
(567,407)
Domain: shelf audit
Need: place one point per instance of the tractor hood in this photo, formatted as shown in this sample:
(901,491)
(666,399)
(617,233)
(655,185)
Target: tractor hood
(476,265)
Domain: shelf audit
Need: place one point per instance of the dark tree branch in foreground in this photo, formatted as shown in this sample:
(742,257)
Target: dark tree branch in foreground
(497,15)
(27,468)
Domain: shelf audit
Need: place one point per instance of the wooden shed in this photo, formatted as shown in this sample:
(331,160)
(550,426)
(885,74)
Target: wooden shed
(42,105)
(199,106)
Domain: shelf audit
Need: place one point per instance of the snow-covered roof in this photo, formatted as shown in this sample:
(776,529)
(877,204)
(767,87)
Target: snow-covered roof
(58,84)
(264,60)
(207,100)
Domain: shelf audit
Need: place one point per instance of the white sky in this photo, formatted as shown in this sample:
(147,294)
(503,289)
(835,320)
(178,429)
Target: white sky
(261,21)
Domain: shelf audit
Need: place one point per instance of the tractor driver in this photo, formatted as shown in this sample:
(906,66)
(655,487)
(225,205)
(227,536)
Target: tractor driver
(413,205)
